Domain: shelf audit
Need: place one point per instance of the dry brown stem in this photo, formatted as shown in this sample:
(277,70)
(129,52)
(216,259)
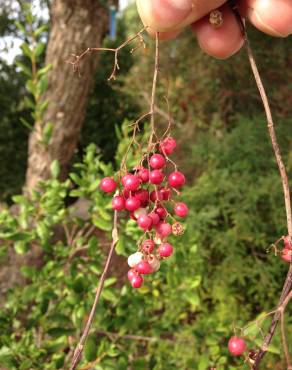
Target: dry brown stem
(286,291)
(79,349)
(77,58)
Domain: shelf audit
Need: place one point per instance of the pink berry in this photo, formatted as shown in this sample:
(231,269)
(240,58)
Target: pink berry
(155,218)
(167,146)
(161,211)
(143,268)
(181,209)
(148,246)
(288,242)
(176,179)
(286,255)
(156,177)
(118,203)
(156,195)
(165,250)
(236,346)
(143,174)
(136,281)
(131,273)
(157,161)
(126,193)
(132,203)
(164,229)
(145,222)
(166,193)
(131,182)
(108,185)
(143,196)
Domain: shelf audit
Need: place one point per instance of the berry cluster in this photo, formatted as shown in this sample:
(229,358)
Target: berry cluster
(147,194)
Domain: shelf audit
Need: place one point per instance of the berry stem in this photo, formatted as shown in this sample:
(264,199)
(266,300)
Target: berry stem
(153,94)
(286,291)
(79,348)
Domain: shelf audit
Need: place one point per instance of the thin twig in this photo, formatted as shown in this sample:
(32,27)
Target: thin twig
(128,336)
(153,93)
(77,58)
(79,349)
(284,178)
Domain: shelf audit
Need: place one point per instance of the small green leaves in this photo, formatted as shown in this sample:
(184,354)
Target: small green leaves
(55,169)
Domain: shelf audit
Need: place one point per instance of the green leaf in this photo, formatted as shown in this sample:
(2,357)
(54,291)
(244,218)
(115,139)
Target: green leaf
(26,50)
(55,169)
(90,350)
(43,71)
(40,30)
(59,331)
(20,247)
(102,224)
(38,51)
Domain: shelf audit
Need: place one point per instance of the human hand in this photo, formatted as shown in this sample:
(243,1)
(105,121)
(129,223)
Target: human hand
(169,17)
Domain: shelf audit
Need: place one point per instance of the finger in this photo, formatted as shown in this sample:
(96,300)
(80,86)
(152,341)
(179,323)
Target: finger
(271,16)
(219,42)
(168,15)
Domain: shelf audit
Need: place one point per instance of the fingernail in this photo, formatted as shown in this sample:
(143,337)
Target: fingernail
(181,4)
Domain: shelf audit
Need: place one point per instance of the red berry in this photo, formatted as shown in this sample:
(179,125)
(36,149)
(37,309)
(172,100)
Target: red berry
(131,273)
(286,255)
(288,242)
(143,268)
(155,218)
(131,182)
(136,281)
(165,250)
(166,193)
(167,146)
(145,222)
(143,196)
(164,229)
(118,203)
(156,177)
(143,174)
(156,195)
(126,193)
(176,179)
(148,246)
(108,185)
(132,203)
(157,161)
(161,211)
(236,346)
(181,209)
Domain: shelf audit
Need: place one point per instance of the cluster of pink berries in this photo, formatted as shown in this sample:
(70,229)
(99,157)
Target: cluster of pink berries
(286,253)
(147,194)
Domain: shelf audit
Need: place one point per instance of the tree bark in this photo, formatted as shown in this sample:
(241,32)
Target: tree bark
(75,25)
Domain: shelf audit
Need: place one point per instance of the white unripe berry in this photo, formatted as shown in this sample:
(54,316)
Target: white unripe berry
(134,259)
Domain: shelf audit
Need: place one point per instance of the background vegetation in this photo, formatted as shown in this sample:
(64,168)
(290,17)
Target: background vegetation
(220,275)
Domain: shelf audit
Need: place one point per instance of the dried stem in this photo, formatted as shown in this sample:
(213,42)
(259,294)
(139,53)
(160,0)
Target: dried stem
(79,349)
(153,93)
(77,58)
(284,178)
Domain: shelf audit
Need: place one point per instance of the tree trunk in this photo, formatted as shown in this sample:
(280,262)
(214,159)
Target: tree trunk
(75,25)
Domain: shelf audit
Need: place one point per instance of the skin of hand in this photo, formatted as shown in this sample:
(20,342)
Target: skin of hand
(170,17)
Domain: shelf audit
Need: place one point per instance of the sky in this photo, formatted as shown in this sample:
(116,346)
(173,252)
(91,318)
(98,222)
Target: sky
(10,46)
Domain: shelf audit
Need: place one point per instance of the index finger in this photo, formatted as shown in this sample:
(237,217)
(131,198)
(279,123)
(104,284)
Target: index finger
(170,15)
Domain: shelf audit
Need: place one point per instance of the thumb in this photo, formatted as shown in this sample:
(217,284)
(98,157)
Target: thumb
(168,15)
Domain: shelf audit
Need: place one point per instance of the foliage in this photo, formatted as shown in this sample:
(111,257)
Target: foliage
(217,277)
(220,275)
